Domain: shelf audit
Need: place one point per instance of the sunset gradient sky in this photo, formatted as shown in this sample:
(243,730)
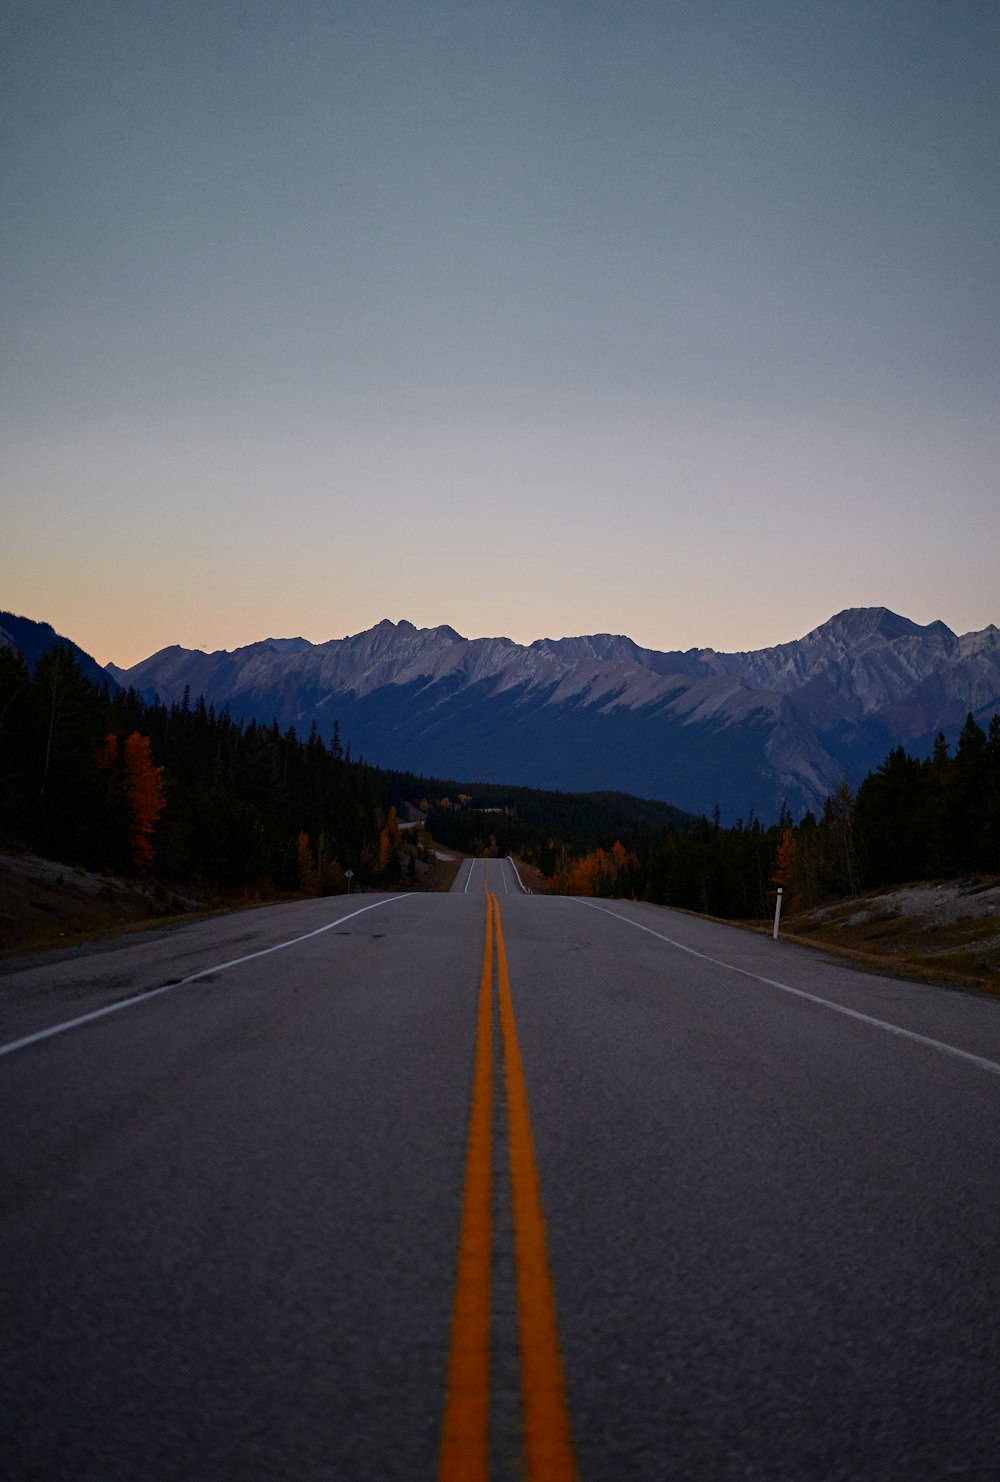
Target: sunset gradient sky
(677,318)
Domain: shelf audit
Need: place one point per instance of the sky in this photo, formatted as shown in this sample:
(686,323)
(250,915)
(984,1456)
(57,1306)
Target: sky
(673,318)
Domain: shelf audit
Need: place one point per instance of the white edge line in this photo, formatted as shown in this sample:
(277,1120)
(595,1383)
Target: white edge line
(838,1008)
(125,1003)
(517,876)
(292,942)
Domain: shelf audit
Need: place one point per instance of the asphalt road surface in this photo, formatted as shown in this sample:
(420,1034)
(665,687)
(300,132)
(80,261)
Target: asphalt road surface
(493,1185)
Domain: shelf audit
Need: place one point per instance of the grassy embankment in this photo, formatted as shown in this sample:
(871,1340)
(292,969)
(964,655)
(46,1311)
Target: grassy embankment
(946,931)
(44,904)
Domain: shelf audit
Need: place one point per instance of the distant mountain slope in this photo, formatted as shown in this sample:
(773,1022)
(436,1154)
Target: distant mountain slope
(34,639)
(746,731)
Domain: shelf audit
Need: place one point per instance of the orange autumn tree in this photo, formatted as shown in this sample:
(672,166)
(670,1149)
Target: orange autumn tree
(597,873)
(785,863)
(131,768)
(388,844)
(144,786)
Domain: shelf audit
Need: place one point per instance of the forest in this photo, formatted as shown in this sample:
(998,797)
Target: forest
(98,777)
(102,779)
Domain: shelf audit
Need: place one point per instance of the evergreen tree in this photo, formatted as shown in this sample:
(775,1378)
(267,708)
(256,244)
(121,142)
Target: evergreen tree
(966,821)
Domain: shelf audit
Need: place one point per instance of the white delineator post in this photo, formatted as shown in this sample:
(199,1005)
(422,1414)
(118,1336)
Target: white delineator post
(777,915)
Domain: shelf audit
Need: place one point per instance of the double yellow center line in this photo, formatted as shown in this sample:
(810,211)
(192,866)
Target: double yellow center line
(465,1436)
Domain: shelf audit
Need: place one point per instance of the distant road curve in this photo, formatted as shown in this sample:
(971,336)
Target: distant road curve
(750,1193)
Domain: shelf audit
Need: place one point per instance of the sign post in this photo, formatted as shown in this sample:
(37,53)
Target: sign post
(348,876)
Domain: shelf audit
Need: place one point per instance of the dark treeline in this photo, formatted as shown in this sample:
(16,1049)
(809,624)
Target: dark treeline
(105,780)
(614,844)
(735,872)
(937,817)
(912,819)
(545,827)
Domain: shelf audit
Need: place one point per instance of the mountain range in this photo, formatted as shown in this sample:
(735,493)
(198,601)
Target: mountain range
(748,732)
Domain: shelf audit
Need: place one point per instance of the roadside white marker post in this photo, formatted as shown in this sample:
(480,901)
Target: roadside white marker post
(777,915)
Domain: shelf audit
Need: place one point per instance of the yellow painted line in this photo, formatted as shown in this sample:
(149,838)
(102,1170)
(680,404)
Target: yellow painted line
(465,1434)
(547,1442)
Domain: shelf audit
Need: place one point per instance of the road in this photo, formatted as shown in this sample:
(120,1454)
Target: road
(500,875)
(286,1215)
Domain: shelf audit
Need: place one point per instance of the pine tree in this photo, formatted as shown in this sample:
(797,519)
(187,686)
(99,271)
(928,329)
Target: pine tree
(967,799)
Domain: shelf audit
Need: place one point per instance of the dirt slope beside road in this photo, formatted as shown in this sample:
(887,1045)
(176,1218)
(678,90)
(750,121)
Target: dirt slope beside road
(47,904)
(947,930)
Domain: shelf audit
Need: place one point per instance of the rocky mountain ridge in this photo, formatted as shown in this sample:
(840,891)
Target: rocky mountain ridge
(746,730)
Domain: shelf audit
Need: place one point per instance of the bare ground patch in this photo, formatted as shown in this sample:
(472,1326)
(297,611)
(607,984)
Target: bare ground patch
(947,931)
(45,904)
